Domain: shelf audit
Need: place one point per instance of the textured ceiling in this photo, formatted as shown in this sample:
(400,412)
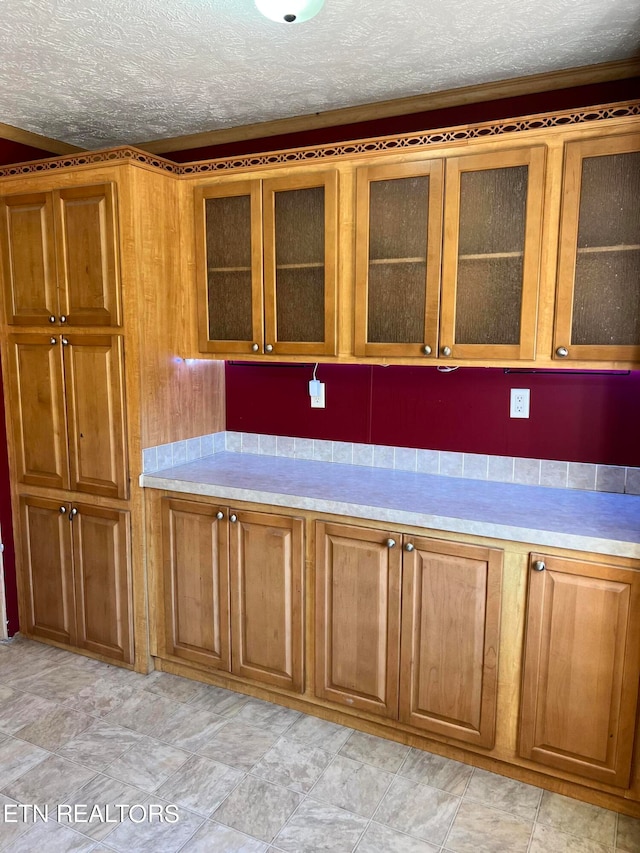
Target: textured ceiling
(102,72)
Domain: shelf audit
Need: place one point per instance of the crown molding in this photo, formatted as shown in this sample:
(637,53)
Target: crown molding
(35,140)
(547,82)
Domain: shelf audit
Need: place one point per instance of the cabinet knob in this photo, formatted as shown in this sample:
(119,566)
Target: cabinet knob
(52,319)
(446,350)
(233,518)
(562,352)
(63,318)
(409,547)
(426,349)
(73,513)
(268,348)
(65,342)
(53,341)
(63,509)
(219,515)
(255,347)
(391,543)
(539,566)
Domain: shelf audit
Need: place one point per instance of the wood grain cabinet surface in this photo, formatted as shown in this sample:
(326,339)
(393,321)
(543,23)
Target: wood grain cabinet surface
(266,255)
(233,591)
(60,257)
(581,668)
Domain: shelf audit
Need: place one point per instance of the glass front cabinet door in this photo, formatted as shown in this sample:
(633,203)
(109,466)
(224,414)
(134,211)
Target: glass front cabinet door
(598,295)
(267,265)
(448,256)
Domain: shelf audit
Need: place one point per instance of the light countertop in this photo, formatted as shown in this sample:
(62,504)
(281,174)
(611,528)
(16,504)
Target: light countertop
(564,518)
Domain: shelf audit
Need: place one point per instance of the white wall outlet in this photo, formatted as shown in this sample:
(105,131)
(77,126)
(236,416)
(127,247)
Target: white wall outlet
(316,392)
(519,403)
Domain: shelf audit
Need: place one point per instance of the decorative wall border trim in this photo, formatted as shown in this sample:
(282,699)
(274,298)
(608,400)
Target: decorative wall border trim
(402,142)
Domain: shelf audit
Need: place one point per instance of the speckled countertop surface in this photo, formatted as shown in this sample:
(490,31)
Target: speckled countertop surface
(565,518)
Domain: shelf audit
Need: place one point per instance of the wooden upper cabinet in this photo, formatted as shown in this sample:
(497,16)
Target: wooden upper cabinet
(102,577)
(266,555)
(27,244)
(196,583)
(47,569)
(358,579)
(266,265)
(60,257)
(398,245)
(491,254)
(450,636)
(581,668)
(598,295)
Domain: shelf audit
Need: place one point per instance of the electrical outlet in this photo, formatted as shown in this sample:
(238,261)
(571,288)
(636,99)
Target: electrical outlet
(519,403)
(317,399)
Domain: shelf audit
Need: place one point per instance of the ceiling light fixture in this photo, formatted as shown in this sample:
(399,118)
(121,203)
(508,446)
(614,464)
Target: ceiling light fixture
(289,11)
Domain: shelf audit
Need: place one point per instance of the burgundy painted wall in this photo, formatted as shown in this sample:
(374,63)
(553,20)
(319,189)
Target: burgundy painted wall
(577,417)
(5,524)
(16,152)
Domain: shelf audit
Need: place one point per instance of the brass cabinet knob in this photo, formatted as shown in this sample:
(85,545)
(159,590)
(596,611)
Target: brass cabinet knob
(255,347)
(233,518)
(65,342)
(53,341)
(409,547)
(562,352)
(391,543)
(52,319)
(219,515)
(426,349)
(268,348)
(63,509)
(63,318)
(539,566)
(73,513)
(446,350)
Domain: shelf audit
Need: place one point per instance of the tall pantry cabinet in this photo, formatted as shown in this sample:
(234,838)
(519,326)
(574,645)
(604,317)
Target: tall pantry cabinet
(87,332)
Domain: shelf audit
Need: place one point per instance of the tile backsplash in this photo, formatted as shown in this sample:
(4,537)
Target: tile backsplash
(474,466)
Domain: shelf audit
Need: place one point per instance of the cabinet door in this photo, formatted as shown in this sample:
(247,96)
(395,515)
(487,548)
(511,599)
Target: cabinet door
(86,240)
(301,264)
(491,255)
(598,299)
(102,575)
(398,243)
(228,220)
(94,383)
(195,545)
(267,606)
(450,637)
(358,617)
(581,666)
(47,570)
(37,413)
(28,257)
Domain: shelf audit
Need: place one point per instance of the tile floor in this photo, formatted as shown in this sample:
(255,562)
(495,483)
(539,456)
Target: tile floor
(246,776)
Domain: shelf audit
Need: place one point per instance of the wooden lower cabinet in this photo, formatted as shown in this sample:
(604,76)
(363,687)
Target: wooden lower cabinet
(429,659)
(233,591)
(77,576)
(581,668)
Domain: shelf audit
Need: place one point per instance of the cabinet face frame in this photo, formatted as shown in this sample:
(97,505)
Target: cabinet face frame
(271,186)
(230,189)
(286,564)
(365,176)
(214,574)
(534,159)
(575,153)
(386,645)
(453,630)
(553,652)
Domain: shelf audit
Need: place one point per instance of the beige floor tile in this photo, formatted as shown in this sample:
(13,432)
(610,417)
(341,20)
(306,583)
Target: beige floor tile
(156,836)
(316,826)
(215,838)
(143,712)
(383,839)
(102,696)
(147,764)
(436,771)
(49,782)
(201,785)
(503,793)
(190,728)
(313,731)
(370,749)
(173,686)
(99,745)
(628,837)
(577,818)
(418,810)
(55,729)
(107,794)
(239,745)
(59,683)
(353,786)
(271,718)
(220,701)
(17,758)
(546,839)
(20,709)
(257,808)
(293,765)
(49,837)
(477,827)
